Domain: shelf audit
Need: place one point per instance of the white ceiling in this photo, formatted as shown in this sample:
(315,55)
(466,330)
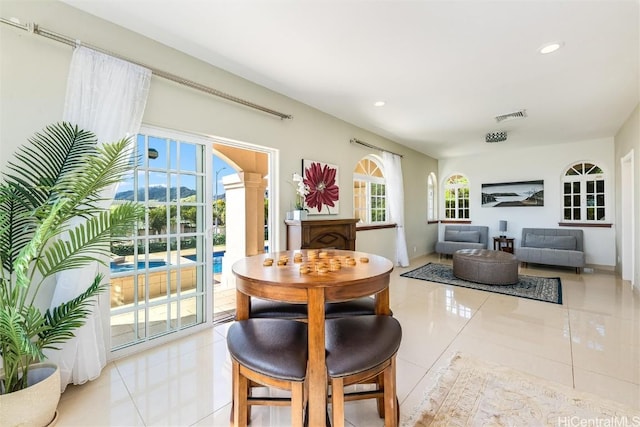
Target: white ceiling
(444,68)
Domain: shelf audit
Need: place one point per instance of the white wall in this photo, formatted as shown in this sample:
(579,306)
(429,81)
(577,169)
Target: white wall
(626,140)
(549,164)
(32,87)
(381,242)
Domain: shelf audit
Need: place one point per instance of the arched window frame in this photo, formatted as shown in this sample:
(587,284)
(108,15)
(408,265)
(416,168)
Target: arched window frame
(456,197)
(432,197)
(584,193)
(369,191)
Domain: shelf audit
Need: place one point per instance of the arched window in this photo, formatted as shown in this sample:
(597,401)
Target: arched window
(583,194)
(456,197)
(432,199)
(369,191)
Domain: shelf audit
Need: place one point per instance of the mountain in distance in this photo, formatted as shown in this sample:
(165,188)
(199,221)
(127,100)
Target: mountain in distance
(158,193)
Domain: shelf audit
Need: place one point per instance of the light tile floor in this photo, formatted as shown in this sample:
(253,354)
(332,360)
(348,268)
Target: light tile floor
(590,342)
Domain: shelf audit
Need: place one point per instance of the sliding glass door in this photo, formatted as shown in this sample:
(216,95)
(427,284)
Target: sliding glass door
(159,277)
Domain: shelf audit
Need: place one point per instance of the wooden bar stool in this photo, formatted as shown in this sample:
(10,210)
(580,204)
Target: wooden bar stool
(361,349)
(272,353)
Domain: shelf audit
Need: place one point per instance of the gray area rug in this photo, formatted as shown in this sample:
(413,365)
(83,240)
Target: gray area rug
(547,289)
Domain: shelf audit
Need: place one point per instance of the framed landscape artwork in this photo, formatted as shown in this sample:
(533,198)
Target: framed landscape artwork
(508,194)
(321,182)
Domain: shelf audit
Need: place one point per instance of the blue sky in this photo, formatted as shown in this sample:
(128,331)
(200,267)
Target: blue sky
(166,158)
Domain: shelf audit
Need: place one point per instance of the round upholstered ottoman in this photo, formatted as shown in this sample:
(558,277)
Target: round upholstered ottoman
(485,266)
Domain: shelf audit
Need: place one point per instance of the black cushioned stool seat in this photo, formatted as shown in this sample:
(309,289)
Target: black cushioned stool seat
(265,309)
(356,307)
(358,349)
(273,353)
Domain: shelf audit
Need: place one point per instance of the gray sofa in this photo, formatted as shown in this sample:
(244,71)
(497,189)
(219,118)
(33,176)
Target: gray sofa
(463,237)
(552,246)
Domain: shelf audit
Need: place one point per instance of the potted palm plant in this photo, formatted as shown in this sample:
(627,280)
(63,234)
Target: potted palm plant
(62,174)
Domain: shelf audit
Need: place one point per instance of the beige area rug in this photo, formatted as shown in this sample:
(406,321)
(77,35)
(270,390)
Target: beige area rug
(470,392)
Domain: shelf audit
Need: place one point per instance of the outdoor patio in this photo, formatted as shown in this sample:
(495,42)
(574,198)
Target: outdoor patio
(224,303)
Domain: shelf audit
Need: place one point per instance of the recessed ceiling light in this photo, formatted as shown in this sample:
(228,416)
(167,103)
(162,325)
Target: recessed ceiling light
(550,47)
(379,103)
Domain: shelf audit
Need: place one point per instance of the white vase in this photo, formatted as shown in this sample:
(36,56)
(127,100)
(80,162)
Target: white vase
(35,405)
(299,215)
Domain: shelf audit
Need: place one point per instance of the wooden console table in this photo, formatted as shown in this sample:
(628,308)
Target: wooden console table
(321,234)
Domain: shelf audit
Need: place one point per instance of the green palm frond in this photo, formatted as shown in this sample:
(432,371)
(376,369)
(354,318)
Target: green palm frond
(34,325)
(82,245)
(88,241)
(86,186)
(15,218)
(54,218)
(41,235)
(5,294)
(12,331)
(29,185)
(17,348)
(68,316)
(125,217)
(54,154)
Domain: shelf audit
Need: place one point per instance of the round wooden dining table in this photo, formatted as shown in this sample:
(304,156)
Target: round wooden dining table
(358,274)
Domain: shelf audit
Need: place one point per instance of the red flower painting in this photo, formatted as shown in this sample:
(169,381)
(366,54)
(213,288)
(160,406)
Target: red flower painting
(320,179)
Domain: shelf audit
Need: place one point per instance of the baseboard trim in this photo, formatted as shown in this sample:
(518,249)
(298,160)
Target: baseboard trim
(602,268)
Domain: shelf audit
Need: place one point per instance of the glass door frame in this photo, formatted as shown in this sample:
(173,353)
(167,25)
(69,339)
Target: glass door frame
(207,230)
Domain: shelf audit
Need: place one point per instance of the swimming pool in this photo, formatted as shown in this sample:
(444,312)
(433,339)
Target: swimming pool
(122,267)
(217,261)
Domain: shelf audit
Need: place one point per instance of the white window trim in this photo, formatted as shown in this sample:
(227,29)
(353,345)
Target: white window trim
(583,178)
(432,197)
(369,179)
(448,186)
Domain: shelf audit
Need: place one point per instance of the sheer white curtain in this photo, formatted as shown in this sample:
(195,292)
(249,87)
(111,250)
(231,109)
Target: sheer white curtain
(395,197)
(106,96)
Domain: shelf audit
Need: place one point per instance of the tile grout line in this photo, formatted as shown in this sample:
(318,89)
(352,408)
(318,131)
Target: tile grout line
(133,401)
(573,369)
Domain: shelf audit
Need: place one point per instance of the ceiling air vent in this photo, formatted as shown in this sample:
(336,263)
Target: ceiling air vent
(511,116)
(495,137)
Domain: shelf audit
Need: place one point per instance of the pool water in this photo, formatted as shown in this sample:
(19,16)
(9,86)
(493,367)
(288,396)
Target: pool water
(217,264)
(217,261)
(121,267)
(124,267)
